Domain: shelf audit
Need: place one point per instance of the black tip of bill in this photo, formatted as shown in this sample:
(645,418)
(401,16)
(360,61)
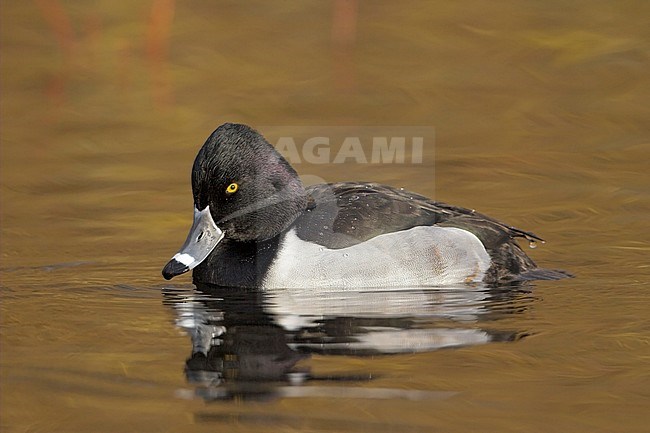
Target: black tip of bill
(174,268)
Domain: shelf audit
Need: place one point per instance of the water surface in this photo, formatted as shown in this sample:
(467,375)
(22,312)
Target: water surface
(541,120)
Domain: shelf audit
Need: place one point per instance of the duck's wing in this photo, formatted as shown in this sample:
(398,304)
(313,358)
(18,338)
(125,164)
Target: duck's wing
(348,213)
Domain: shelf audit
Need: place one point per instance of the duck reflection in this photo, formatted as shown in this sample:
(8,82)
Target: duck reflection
(248,343)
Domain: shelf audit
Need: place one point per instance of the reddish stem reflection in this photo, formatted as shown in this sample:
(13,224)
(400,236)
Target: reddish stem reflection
(344,32)
(156,46)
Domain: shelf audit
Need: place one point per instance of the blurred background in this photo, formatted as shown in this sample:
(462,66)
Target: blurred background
(541,119)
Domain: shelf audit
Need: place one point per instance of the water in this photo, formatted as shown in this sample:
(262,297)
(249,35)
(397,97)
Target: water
(541,120)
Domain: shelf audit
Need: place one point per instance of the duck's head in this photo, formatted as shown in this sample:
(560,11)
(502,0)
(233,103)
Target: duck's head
(243,189)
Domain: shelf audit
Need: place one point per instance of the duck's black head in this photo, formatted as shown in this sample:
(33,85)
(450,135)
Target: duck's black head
(252,191)
(244,190)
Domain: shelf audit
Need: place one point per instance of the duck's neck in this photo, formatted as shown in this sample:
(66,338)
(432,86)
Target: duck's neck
(238,264)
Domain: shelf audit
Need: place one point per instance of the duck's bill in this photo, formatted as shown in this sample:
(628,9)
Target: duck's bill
(203,237)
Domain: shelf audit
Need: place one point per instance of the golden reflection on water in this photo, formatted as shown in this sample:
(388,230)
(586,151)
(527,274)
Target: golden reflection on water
(541,119)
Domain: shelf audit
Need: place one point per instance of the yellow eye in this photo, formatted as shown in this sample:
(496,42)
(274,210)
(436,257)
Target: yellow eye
(232,188)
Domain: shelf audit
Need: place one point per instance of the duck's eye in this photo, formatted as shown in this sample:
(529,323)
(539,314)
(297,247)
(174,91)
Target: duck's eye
(232,188)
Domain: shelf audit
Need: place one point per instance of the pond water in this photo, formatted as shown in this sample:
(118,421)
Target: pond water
(541,119)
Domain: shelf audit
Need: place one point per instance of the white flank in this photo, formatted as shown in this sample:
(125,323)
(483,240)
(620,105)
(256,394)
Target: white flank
(421,256)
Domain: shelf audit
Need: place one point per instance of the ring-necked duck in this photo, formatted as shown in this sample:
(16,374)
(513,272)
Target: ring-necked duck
(256,225)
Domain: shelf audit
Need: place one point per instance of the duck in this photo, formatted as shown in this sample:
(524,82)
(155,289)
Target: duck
(256,225)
